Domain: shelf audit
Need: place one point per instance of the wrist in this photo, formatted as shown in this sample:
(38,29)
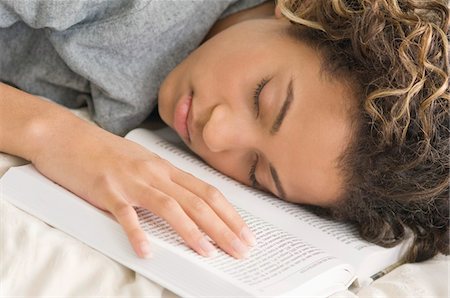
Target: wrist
(27,122)
(59,132)
(42,132)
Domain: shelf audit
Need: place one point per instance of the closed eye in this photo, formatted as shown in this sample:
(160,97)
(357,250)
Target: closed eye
(257,93)
(252,174)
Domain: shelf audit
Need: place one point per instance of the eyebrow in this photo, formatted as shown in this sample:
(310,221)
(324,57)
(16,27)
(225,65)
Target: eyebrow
(276,179)
(275,128)
(284,109)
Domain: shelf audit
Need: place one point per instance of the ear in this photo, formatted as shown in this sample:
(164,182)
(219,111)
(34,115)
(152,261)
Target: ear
(278,13)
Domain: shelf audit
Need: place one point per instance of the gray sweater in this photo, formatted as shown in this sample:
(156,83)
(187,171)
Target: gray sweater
(110,55)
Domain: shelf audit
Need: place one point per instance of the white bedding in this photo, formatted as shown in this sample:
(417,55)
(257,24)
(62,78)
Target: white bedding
(38,260)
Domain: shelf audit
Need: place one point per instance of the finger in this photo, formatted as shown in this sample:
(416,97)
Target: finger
(167,208)
(128,219)
(209,222)
(218,203)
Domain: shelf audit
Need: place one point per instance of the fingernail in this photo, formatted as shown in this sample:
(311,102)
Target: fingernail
(207,248)
(145,249)
(248,236)
(240,248)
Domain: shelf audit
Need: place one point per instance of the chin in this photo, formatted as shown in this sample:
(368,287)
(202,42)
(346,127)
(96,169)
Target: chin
(163,106)
(161,113)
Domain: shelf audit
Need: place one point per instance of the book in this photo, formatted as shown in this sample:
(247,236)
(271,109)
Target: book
(297,253)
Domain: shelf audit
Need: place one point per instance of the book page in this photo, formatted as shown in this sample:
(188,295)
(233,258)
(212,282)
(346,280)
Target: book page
(280,264)
(342,238)
(277,263)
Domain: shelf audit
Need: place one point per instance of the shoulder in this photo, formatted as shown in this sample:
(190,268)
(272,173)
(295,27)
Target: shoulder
(62,15)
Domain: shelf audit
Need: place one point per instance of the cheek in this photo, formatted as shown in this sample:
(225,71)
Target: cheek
(227,164)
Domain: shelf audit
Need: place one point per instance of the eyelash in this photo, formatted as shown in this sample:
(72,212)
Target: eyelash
(251,174)
(256,94)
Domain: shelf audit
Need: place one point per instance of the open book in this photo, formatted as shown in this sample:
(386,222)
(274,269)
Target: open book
(297,253)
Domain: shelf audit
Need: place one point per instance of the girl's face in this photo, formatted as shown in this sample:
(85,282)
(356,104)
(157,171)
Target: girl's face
(254,104)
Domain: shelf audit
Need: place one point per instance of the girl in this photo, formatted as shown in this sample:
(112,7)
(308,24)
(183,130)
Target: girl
(341,105)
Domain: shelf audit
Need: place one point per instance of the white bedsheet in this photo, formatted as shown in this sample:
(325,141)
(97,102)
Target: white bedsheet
(38,260)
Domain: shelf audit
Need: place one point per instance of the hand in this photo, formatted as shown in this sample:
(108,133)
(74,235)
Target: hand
(115,174)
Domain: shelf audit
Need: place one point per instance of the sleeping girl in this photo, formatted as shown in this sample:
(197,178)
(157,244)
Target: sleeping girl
(340,105)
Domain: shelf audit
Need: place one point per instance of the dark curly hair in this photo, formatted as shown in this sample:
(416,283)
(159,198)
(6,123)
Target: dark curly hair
(394,54)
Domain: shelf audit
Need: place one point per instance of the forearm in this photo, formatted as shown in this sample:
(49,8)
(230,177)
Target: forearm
(27,122)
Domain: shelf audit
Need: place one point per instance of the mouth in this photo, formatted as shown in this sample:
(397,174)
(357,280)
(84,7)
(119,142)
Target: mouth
(180,122)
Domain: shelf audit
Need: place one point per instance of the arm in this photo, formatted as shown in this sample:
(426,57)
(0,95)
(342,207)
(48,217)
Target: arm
(115,174)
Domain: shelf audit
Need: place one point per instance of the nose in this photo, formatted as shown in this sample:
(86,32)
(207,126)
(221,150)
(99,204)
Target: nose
(226,130)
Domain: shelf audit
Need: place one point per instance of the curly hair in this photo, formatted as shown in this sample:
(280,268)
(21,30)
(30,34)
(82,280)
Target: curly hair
(394,54)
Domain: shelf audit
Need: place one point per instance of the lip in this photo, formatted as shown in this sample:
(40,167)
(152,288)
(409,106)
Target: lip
(180,122)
